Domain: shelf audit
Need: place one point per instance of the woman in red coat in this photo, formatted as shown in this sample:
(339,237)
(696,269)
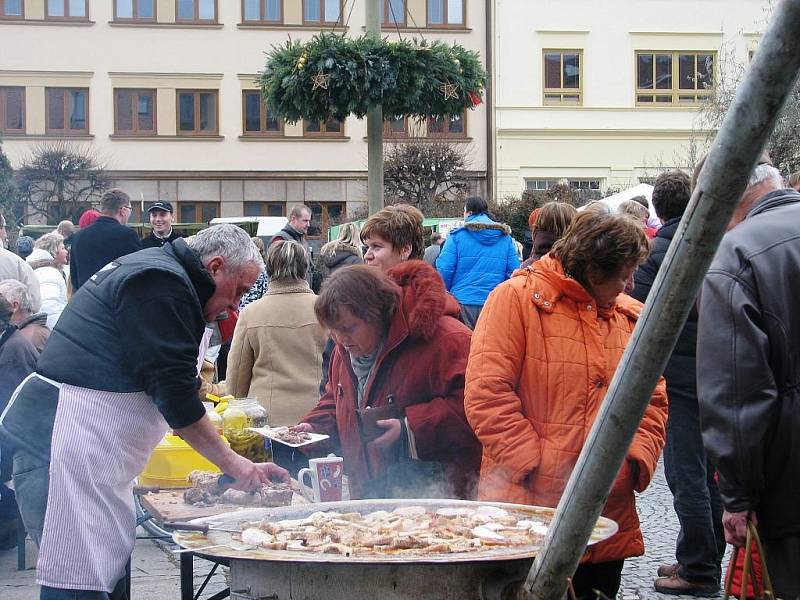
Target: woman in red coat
(401,352)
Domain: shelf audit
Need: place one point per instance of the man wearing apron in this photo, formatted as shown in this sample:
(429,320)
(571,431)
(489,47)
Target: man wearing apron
(120,368)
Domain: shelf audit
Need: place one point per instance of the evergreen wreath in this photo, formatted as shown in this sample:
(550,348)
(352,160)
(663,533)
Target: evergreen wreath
(332,76)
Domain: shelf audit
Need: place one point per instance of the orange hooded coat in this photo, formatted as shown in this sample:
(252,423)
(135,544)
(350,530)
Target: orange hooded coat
(541,359)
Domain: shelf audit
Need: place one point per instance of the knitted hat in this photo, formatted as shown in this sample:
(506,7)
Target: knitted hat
(88,217)
(24,246)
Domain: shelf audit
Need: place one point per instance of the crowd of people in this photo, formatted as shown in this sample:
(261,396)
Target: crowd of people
(460,370)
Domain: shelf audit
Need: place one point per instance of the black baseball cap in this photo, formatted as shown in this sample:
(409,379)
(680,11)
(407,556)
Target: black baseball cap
(160,206)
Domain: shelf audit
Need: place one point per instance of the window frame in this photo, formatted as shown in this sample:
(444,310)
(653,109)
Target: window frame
(324,217)
(262,8)
(135,18)
(66,132)
(196,132)
(6,17)
(196,20)
(198,205)
(675,91)
(135,132)
(4,107)
(446,11)
(393,135)
(572,182)
(323,130)
(322,20)
(385,23)
(447,135)
(562,91)
(262,115)
(67,16)
(264,204)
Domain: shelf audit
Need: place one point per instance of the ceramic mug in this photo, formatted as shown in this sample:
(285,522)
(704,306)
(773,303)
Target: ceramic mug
(325,477)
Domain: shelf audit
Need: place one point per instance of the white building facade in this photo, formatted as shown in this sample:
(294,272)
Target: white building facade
(605,94)
(163,92)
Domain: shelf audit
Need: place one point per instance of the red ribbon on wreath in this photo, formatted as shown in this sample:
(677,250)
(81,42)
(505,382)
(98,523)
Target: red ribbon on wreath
(474,98)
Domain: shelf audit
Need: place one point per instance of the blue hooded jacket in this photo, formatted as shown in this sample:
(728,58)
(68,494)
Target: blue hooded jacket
(476,258)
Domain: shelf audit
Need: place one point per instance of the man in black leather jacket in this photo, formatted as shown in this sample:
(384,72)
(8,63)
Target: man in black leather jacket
(690,476)
(749,373)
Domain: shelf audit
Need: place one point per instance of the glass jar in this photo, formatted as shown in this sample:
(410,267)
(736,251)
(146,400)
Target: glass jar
(214,416)
(241,414)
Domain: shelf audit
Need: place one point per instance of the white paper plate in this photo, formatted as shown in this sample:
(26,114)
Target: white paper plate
(269,432)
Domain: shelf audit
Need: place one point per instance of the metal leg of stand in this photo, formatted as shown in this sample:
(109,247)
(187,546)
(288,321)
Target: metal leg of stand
(21,535)
(187,576)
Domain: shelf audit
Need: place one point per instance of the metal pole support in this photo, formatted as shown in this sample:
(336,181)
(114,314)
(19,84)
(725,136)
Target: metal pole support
(735,150)
(374,126)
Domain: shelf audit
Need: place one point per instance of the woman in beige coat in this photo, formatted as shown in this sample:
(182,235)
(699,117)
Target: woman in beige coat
(276,352)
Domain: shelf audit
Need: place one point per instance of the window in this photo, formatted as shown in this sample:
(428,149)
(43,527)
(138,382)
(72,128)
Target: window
(392,13)
(647,180)
(258,118)
(196,11)
(584,184)
(67,9)
(197,113)
(12,110)
(447,127)
(321,11)
(198,212)
(134,10)
(134,112)
(262,11)
(264,209)
(396,128)
(332,128)
(444,13)
(562,77)
(323,215)
(575,184)
(67,110)
(11,9)
(670,78)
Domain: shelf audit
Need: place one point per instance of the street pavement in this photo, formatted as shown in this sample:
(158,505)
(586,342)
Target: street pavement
(155,569)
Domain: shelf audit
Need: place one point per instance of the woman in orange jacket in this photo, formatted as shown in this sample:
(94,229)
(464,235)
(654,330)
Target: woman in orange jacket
(541,359)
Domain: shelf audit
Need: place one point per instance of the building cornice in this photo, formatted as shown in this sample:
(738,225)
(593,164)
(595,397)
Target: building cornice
(140,75)
(591,134)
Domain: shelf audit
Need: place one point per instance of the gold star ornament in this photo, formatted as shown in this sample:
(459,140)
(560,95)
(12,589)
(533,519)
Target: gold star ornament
(321,81)
(450,90)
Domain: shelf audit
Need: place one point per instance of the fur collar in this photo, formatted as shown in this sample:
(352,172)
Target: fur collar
(424,298)
(481,226)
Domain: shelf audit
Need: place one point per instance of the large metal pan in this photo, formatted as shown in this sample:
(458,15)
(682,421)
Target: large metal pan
(604,529)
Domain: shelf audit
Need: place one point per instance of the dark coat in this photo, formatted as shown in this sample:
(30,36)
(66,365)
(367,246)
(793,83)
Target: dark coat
(343,257)
(421,367)
(151,241)
(96,246)
(681,369)
(748,364)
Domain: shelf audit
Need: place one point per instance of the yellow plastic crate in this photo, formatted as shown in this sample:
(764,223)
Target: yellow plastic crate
(171,462)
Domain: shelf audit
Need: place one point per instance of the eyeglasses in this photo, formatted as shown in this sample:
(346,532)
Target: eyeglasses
(128,206)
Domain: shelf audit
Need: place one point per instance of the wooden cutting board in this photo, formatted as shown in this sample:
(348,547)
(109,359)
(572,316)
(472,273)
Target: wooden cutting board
(169,506)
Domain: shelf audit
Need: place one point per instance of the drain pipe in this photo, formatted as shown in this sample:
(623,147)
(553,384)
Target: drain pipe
(734,152)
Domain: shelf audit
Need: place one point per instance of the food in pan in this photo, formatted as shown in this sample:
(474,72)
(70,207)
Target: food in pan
(408,530)
(206,491)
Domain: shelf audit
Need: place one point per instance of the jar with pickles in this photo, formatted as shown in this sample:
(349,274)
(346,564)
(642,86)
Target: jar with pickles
(241,414)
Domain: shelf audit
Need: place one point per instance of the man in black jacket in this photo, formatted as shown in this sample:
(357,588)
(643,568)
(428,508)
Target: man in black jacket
(121,368)
(296,230)
(106,240)
(749,373)
(161,219)
(690,476)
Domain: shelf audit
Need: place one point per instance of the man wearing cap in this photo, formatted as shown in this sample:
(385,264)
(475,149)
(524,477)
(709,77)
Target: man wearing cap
(161,220)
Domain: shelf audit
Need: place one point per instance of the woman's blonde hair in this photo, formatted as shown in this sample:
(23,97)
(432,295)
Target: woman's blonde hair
(286,260)
(633,209)
(50,242)
(349,235)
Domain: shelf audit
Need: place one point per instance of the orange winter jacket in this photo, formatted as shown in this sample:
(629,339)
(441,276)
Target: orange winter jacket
(541,360)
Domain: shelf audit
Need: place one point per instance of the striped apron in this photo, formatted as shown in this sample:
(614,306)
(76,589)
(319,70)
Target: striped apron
(101,442)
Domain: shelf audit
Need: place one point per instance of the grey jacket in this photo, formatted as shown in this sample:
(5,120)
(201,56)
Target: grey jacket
(748,364)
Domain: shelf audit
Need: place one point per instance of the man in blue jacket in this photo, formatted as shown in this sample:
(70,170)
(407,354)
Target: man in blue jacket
(476,258)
